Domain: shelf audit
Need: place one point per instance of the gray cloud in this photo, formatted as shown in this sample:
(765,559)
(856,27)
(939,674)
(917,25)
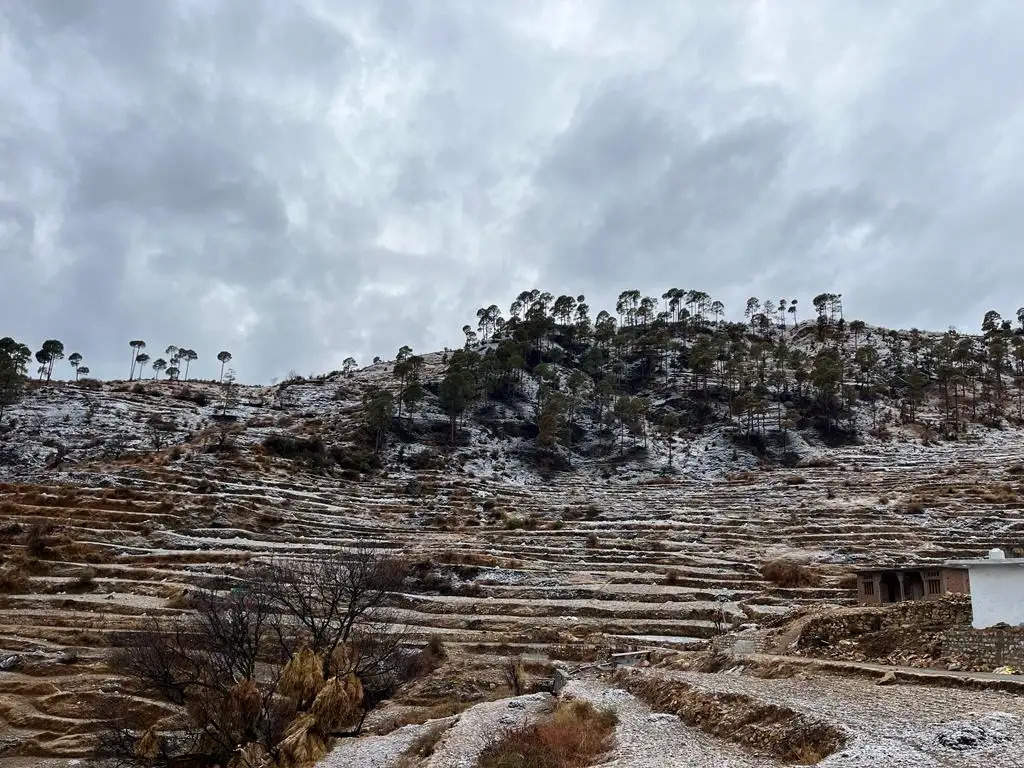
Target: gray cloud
(298,182)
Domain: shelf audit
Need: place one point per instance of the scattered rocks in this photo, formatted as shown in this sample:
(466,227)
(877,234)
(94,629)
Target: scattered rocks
(985,731)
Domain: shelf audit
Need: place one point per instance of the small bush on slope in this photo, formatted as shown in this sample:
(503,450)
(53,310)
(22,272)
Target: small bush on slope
(789,573)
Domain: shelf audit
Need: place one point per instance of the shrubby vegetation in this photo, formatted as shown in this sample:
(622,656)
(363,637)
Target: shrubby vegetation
(266,669)
(656,367)
(571,736)
(765,376)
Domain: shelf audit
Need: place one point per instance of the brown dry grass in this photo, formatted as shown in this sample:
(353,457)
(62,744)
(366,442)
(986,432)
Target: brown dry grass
(573,735)
(302,678)
(337,703)
(789,573)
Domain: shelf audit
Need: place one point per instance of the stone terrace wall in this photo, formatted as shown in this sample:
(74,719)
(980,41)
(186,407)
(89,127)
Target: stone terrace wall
(910,620)
(992,647)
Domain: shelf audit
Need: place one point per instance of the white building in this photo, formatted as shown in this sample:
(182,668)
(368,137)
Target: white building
(997,589)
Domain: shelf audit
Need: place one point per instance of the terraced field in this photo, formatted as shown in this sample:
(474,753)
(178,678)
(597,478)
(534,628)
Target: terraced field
(567,568)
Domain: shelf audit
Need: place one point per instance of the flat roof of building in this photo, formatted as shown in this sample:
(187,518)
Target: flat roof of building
(986,562)
(907,568)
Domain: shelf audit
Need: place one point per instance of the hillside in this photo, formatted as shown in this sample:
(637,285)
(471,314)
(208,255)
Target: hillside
(534,522)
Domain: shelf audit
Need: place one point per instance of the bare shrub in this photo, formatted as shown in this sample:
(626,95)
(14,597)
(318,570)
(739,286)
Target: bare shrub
(276,666)
(36,542)
(790,573)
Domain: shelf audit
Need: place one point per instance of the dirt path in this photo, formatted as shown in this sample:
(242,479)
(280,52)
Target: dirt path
(897,726)
(646,739)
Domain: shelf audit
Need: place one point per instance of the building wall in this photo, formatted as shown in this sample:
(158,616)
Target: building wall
(997,595)
(871,590)
(987,648)
(863,596)
(956,581)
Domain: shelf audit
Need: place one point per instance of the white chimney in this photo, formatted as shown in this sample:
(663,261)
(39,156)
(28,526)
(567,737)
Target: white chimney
(996,554)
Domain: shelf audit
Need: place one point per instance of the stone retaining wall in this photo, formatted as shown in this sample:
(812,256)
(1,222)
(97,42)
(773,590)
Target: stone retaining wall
(992,647)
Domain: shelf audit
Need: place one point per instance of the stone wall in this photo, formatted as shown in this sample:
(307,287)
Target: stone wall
(909,619)
(986,648)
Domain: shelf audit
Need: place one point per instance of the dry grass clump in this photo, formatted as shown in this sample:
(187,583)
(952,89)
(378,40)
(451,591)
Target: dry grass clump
(302,678)
(337,703)
(148,745)
(789,573)
(334,704)
(573,735)
(302,745)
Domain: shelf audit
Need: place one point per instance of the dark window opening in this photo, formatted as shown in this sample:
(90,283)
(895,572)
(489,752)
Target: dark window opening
(934,586)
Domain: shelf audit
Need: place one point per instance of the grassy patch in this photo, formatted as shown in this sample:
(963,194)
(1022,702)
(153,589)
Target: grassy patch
(573,735)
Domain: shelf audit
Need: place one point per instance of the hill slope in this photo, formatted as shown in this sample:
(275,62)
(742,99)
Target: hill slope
(139,491)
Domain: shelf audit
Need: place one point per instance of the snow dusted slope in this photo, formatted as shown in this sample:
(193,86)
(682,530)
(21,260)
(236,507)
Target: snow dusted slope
(600,555)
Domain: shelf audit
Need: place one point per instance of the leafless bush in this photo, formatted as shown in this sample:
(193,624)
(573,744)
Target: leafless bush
(35,540)
(278,664)
(790,573)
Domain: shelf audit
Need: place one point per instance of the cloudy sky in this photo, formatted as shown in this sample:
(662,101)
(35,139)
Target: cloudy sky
(302,181)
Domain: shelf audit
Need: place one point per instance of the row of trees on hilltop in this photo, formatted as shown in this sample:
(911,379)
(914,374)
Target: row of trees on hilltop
(177,357)
(770,372)
(52,350)
(15,358)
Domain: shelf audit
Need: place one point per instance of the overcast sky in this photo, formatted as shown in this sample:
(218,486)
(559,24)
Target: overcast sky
(302,181)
